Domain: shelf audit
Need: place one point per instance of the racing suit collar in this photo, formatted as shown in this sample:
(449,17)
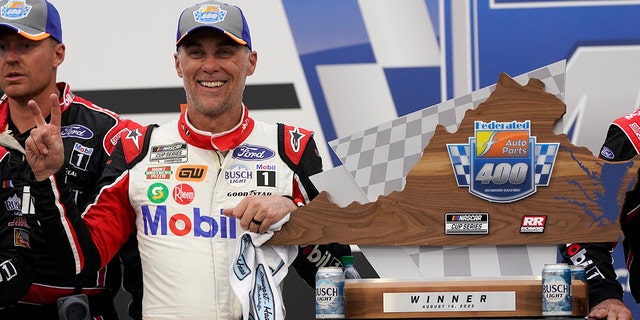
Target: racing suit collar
(220,141)
(66,98)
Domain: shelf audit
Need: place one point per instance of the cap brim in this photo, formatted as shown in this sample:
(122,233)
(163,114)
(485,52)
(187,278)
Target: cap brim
(26,32)
(230,35)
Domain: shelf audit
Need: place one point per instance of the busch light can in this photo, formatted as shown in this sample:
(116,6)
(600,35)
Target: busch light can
(556,290)
(330,293)
(578,273)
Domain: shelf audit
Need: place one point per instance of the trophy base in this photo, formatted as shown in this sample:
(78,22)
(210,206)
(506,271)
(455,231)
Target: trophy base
(495,298)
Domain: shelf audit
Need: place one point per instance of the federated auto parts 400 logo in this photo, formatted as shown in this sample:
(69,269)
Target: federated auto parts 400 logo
(502,162)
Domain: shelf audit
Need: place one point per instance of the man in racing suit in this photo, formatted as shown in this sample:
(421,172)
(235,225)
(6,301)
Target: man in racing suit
(17,258)
(89,134)
(31,50)
(622,144)
(605,292)
(188,188)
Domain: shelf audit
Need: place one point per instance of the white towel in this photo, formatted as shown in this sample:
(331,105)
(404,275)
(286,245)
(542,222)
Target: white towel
(257,274)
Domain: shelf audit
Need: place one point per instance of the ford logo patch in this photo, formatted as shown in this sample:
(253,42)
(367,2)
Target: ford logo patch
(76,131)
(607,153)
(252,153)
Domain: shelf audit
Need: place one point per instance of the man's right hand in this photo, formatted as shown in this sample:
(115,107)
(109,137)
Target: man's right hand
(44,149)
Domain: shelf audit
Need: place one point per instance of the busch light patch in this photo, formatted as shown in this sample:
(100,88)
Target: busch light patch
(502,162)
(15,10)
(209,13)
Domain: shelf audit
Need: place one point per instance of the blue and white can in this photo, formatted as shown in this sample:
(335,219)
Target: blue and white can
(578,273)
(556,290)
(330,293)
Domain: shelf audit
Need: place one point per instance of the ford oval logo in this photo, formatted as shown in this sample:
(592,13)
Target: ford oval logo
(252,153)
(76,131)
(607,153)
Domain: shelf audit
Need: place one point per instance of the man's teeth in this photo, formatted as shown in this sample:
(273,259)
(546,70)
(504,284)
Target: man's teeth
(211,84)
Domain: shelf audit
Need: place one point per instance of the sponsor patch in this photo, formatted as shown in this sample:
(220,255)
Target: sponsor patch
(21,238)
(466,223)
(191,173)
(171,153)
(19,222)
(238,175)
(7,270)
(296,136)
(252,153)
(80,156)
(533,224)
(607,153)
(266,175)
(183,194)
(161,172)
(13,204)
(157,193)
(76,131)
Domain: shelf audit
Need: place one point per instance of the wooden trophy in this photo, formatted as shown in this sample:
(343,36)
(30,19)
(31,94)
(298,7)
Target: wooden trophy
(503,178)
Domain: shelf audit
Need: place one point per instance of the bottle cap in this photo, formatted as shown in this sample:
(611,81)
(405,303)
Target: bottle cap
(347,260)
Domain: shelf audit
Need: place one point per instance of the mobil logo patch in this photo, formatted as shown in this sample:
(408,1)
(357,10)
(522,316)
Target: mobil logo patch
(250,152)
(80,156)
(158,222)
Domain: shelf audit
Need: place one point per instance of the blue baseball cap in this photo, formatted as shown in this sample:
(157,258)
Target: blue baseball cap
(33,19)
(223,17)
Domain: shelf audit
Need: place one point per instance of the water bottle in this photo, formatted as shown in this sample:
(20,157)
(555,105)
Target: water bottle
(350,271)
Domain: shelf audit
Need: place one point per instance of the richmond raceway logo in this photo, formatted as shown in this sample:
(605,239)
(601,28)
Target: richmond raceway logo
(533,224)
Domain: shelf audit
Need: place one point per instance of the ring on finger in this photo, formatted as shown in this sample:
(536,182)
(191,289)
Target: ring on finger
(257,222)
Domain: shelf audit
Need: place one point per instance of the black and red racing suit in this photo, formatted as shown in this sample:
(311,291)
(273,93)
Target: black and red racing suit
(596,257)
(623,143)
(89,134)
(17,258)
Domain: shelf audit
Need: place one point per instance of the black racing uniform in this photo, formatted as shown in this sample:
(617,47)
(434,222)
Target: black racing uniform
(17,258)
(89,134)
(623,143)
(596,257)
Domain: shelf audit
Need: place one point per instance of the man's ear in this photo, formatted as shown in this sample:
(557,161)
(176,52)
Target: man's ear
(177,64)
(59,52)
(253,61)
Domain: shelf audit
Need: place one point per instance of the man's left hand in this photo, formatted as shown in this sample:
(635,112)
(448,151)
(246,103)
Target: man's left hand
(258,213)
(610,309)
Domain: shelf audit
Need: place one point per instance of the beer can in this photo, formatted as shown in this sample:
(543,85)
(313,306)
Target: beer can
(330,293)
(556,290)
(578,273)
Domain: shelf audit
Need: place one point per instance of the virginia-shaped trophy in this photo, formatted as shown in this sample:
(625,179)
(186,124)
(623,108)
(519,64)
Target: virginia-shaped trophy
(504,178)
